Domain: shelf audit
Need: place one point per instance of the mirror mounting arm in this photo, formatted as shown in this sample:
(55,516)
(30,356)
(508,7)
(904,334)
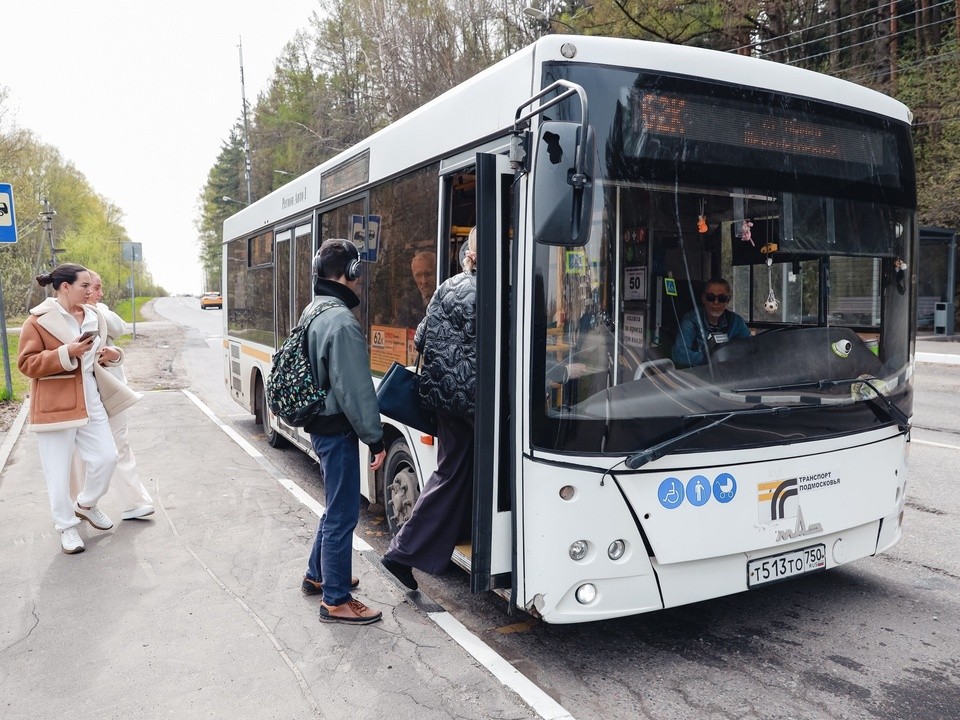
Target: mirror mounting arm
(566,89)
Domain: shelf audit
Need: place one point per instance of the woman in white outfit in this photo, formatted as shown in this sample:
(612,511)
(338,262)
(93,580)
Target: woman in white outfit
(125,485)
(70,395)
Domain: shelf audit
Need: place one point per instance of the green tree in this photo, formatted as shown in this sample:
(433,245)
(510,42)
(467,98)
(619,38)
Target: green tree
(225,179)
(86,228)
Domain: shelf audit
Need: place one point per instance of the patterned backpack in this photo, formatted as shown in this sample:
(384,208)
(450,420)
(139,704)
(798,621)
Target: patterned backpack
(292,391)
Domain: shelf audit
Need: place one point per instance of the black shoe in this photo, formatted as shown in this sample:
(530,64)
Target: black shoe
(403,573)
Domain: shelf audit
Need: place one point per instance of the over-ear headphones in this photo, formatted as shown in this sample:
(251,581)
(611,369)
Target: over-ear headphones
(353,267)
(352,270)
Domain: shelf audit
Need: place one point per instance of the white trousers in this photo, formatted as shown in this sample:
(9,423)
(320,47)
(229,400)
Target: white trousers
(94,444)
(125,485)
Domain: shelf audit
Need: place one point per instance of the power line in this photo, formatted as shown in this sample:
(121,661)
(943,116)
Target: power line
(905,31)
(941,57)
(807,29)
(832,22)
(864,42)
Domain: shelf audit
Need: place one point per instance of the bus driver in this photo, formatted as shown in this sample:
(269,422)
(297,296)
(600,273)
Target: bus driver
(720,325)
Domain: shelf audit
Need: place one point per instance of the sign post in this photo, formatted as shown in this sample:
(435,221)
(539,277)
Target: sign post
(133,251)
(8,234)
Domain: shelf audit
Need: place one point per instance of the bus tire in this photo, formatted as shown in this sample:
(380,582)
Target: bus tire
(274,439)
(401,488)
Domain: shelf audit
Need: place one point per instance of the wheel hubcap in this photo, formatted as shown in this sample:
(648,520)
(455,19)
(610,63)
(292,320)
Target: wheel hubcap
(402,490)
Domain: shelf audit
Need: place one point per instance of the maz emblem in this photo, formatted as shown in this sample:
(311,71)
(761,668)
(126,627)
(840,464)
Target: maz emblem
(800,529)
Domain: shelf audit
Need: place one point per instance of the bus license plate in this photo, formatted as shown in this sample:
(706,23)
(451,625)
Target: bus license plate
(788,564)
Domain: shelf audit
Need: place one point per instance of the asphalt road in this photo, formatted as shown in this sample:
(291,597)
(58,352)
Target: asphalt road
(875,639)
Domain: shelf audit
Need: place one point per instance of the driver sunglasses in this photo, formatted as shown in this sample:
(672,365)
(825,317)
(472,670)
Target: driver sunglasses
(716,298)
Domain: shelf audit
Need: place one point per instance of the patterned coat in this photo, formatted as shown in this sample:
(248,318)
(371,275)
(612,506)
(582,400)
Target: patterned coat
(447,339)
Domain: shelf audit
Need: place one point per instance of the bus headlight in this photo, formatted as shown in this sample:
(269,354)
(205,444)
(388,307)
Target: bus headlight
(616,549)
(586,593)
(578,550)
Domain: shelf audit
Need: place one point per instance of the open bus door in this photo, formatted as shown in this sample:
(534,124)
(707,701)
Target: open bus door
(495,466)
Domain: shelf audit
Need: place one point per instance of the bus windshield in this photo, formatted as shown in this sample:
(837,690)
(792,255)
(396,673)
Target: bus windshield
(791,219)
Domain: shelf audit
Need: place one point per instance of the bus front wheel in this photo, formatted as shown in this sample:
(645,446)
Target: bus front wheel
(400,486)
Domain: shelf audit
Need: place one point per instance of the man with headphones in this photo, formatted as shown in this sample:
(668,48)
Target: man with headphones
(338,354)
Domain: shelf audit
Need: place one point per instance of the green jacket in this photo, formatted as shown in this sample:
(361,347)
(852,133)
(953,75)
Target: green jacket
(338,354)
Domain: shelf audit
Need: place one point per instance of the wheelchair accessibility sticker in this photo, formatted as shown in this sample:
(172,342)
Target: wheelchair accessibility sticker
(697,490)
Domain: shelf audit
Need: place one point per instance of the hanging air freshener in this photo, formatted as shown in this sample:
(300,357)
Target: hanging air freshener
(772,304)
(702,220)
(745,233)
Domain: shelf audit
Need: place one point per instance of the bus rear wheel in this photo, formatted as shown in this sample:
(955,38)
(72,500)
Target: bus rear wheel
(400,486)
(274,439)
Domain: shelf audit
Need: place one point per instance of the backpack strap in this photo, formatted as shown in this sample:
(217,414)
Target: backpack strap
(322,307)
(316,311)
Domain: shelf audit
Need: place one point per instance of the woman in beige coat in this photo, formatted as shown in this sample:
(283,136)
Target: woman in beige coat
(71,395)
(125,485)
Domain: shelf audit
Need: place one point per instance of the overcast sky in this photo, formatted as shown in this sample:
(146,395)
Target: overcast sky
(140,96)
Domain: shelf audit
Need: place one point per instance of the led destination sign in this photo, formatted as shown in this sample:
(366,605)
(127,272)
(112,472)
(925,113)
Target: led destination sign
(735,125)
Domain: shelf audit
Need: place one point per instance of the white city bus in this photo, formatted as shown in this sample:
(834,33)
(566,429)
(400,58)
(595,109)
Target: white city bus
(609,180)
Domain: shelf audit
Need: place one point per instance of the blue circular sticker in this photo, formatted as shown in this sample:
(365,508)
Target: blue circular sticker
(724,487)
(698,490)
(670,493)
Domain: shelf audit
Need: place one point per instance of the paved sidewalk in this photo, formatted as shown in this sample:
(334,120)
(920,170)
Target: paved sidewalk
(197,612)
(941,349)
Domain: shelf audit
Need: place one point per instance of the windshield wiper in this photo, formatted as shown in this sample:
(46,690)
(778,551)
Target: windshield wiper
(659,450)
(818,384)
(894,414)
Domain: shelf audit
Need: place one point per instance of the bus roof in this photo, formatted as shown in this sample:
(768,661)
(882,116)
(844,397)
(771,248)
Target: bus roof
(490,100)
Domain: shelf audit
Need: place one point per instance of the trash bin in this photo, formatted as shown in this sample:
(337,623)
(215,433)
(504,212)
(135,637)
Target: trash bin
(939,318)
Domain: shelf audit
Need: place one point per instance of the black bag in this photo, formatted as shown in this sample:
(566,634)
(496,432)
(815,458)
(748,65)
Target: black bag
(399,397)
(292,391)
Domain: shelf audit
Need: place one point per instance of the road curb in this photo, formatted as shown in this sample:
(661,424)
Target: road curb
(13,434)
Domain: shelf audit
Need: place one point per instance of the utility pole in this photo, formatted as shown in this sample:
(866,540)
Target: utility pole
(246,129)
(46,240)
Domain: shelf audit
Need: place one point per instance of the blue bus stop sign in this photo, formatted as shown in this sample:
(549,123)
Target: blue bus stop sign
(8,222)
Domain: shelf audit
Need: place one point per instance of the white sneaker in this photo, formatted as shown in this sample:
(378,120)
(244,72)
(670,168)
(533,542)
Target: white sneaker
(70,541)
(95,516)
(137,512)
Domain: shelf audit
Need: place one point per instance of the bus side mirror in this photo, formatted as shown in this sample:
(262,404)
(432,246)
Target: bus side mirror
(563,184)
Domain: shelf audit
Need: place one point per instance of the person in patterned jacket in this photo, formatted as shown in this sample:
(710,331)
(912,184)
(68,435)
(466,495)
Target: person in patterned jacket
(447,339)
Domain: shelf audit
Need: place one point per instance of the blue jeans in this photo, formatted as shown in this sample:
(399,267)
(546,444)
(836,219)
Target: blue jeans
(331,560)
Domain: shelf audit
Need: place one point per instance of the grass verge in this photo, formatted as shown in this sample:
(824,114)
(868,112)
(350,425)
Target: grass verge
(124,309)
(20,383)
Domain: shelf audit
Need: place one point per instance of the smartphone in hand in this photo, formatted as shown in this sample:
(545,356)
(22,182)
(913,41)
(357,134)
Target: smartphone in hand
(87,335)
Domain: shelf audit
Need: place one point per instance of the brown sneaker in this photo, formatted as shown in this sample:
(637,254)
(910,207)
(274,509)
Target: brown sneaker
(352,612)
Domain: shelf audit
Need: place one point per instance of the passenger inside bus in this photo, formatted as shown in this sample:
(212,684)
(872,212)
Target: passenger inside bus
(424,269)
(413,304)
